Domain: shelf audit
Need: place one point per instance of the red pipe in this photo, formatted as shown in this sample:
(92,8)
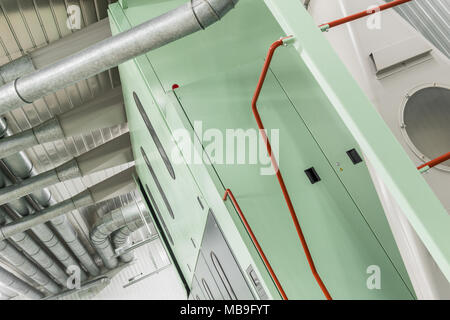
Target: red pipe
(362,14)
(255,242)
(436,161)
(287,198)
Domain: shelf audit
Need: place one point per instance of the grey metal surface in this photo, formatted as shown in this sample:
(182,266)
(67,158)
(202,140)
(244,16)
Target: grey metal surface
(18,285)
(222,264)
(432,19)
(182,21)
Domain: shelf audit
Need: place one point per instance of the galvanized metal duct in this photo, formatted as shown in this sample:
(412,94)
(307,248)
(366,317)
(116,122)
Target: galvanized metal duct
(28,245)
(112,187)
(21,167)
(111,222)
(121,237)
(55,51)
(49,239)
(20,262)
(18,285)
(113,153)
(175,24)
(102,112)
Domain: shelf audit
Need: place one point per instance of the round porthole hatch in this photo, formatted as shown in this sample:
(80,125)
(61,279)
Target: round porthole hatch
(426,117)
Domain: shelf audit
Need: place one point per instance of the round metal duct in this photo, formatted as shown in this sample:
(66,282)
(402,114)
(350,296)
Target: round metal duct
(427,119)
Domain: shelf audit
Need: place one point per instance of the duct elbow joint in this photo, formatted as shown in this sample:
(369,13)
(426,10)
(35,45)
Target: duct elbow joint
(207,12)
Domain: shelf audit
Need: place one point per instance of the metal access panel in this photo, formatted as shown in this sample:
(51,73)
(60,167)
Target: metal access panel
(218,257)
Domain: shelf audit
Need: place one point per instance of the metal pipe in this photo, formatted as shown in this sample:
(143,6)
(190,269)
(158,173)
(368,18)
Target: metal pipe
(18,165)
(362,14)
(182,21)
(276,168)
(430,164)
(112,187)
(102,112)
(18,285)
(111,222)
(55,51)
(227,194)
(19,261)
(110,154)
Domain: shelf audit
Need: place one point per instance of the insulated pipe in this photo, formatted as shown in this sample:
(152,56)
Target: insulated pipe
(109,223)
(121,237)
(113,153)
(55,51)
(20,166)
(19,261)
(102,112)
(182,21)
(112,187)
(21,287)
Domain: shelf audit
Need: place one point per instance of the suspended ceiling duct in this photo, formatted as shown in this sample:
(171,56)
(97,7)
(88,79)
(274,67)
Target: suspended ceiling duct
(20,262)
(49,240)
(18,285)
(113,153)
(111,222)
(184,20)
(112,187)
(102,112)
(55,51)
(21,167)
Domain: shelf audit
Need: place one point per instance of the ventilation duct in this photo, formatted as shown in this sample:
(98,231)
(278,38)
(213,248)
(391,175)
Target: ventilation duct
(182,21)
(55,51)
(121,237)
(113,153)
(20,262)
(21,287)
(103,112)
(19,166)
(112,187)
(111,222)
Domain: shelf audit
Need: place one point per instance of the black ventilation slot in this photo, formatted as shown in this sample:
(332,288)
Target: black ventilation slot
(312,175)
(354,156)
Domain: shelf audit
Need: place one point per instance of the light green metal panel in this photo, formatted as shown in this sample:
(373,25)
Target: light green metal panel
(348,246)
(341,242)
(421,207)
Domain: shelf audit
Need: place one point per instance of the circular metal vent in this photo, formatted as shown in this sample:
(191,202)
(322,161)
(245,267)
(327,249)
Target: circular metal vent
(427,122)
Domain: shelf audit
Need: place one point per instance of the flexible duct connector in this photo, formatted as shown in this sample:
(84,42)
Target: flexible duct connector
(103,112)
(21,167)
(112,187)
(18,285)
(155,33)
(111,222)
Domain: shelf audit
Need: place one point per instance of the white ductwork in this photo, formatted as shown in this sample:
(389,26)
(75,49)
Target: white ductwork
(103,112)
(113,153)
(21,287)
(182,21)
(112,222)
(121,237)
(112,187)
